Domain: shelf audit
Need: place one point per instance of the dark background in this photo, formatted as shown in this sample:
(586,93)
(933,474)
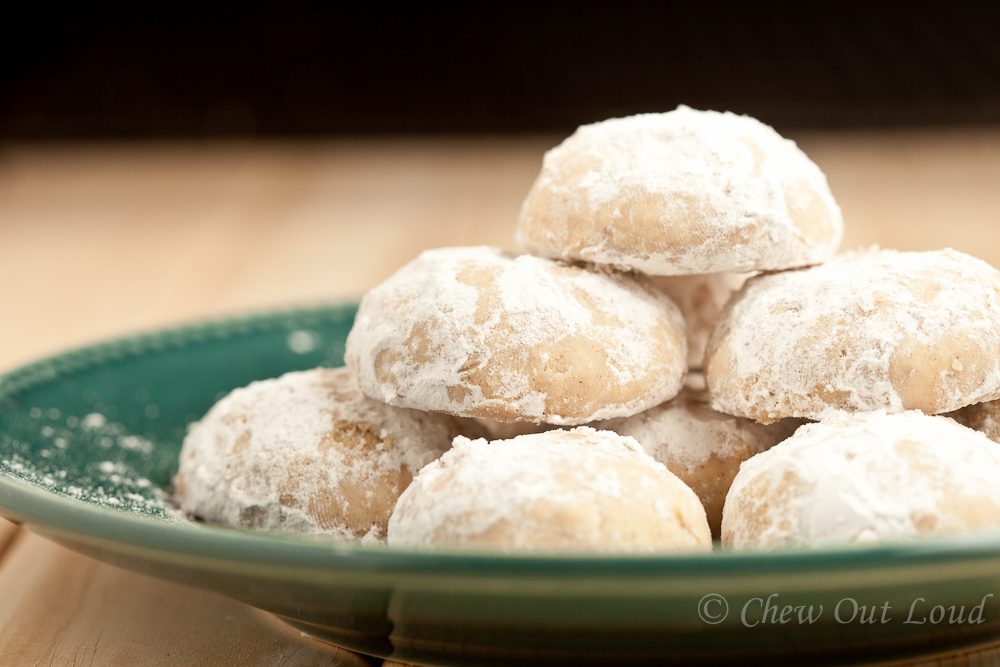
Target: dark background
(287,69)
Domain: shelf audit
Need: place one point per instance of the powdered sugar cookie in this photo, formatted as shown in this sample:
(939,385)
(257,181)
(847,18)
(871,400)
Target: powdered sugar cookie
(982,417)
(701,299)
(704,448)
(578,490)
(865,478)
(306,453)
(679,193)
(887,329)
(481,332)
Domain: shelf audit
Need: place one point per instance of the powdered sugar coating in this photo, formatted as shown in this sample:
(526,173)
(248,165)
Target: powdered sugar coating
(306,453)
(703,447)
(563,490)
(700,298)
(866,331)
(679,193)
(865,478)
(481,332)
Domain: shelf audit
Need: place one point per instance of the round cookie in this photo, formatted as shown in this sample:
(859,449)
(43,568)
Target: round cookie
(680,193)
(866,331)
(700,299)
(563,490)
(704,448)
(982,417)
(482,332)
(865,478)
(307,453)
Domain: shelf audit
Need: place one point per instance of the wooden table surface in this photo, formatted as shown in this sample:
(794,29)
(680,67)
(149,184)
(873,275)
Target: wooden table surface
(99,240)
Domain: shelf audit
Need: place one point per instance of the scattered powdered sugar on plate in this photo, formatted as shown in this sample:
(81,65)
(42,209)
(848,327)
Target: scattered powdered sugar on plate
(87,458)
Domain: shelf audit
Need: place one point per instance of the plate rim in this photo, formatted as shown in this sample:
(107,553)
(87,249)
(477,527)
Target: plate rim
(87,522)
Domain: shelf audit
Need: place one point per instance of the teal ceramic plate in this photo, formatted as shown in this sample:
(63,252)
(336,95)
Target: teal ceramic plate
(89,442)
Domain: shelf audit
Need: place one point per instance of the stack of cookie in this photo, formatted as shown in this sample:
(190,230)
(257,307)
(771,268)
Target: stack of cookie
(870,344)
(886,337)
(623,213)
(639,232)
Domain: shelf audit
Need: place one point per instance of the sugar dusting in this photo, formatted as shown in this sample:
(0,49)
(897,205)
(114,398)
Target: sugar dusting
(703,447)
(866,331)
(479,487)
(865,478)
(732,174)
(308,453)
(425,337)
(51,460)
(685,432)
(700,298)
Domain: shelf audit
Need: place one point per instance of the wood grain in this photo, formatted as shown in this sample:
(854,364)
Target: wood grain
(977,656)
(8,532)
(59,608)
(99,240)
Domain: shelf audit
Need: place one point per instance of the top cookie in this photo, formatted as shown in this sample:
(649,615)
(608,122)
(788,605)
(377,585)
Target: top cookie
(480,332)
(866,331)
(681,193)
